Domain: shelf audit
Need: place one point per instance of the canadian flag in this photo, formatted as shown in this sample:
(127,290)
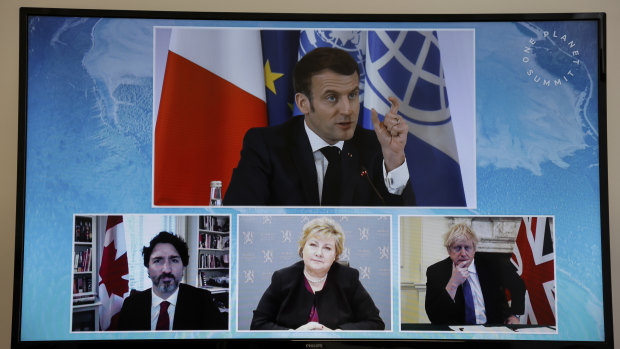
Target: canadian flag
(534,258)
(113,273)
(213,92)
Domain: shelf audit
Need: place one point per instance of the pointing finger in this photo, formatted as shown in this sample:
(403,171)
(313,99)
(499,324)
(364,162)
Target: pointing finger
(395,105)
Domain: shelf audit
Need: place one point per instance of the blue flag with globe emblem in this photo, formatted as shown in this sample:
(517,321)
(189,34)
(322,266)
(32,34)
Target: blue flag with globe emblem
(406,65)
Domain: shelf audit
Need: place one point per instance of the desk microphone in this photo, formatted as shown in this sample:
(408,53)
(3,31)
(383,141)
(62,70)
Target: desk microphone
(364,174)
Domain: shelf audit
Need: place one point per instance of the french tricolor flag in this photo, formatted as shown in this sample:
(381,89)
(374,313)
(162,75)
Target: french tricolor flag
(213,92)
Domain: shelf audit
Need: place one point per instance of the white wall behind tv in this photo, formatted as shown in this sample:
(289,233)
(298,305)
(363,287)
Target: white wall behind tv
(9,39)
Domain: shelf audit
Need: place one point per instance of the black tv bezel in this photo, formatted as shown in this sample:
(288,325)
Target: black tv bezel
(25,12)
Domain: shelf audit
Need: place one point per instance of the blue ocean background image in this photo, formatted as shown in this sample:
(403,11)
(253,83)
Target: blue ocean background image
(537,152)
(89,150)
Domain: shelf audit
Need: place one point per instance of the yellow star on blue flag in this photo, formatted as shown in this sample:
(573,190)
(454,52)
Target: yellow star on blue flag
(271,77)
(280,51)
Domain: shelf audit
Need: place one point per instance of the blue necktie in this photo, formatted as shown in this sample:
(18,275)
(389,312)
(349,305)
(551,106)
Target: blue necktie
(470,309)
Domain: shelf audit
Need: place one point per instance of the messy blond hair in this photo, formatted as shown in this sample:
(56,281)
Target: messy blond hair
(460,231)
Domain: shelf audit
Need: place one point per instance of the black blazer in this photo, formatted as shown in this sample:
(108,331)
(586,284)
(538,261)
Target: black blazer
(277,168)
(195,310)
(495,276)
(343,303)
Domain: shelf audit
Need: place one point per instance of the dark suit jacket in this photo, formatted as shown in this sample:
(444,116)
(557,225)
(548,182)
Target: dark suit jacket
(495,276)
(277,168)
(195,310)
(343,303)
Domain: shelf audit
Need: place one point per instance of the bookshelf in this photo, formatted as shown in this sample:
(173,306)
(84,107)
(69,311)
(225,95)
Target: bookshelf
(84,288)
(213,257)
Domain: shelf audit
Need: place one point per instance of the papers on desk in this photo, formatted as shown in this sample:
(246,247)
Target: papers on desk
(535,330)
(481,328)
(503,329)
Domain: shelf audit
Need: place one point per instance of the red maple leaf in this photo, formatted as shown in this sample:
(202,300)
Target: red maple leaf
(112,271)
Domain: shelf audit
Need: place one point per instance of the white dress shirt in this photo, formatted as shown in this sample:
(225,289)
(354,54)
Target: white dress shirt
(156,301)
(395,180)
(476,291)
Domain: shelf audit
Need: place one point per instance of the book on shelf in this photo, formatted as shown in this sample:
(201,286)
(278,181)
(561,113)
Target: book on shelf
(83,230)
(213,261)
(86,299)
(215,223)
(82,284)
(210,281)
(213,241)
(82,260)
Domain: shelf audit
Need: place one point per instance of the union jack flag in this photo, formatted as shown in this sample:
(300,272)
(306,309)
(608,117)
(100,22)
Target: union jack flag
(534,258)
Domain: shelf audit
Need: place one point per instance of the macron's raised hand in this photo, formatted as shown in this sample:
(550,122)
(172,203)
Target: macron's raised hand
(392,135)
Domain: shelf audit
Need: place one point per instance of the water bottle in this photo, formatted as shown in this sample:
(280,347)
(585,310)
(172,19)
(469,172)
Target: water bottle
(216,193)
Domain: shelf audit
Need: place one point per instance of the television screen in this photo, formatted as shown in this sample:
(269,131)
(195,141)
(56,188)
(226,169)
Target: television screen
(175,187)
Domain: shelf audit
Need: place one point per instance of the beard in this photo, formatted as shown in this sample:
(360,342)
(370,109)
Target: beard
(167,286)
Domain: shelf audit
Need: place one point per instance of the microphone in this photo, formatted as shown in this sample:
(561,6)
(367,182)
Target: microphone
(364,174)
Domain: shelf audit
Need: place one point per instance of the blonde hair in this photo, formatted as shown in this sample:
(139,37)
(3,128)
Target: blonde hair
(324,227)
(457,232)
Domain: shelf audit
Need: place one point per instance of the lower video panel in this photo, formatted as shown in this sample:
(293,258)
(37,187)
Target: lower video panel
(129,269)
(303,272)
(248,275)
(478,274)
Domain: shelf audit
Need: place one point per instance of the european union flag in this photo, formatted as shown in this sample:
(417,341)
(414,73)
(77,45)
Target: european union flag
(279,57)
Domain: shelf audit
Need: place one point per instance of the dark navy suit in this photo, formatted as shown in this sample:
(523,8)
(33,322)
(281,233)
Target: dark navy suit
(343,303)
(277,169)
(194,310)
(495,276)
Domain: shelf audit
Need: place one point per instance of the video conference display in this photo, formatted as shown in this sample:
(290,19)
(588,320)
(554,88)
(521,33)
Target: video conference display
(130,122)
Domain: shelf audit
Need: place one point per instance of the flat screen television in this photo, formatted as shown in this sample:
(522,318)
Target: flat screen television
(132,122)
